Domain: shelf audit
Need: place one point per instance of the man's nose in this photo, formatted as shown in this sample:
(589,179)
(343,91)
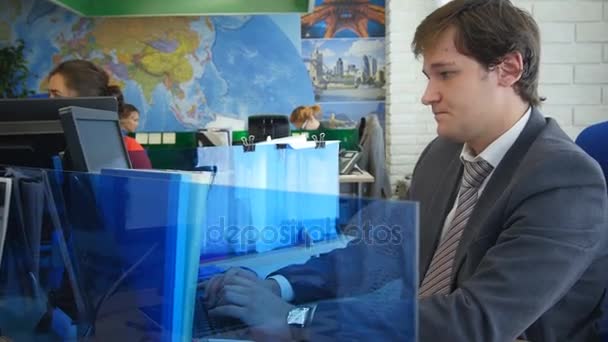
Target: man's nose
(430,95)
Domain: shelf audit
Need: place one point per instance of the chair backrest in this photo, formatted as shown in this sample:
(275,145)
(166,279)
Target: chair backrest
(594,140)
(262,126)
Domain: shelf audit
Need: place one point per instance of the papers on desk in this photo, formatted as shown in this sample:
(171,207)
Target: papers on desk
(297,142)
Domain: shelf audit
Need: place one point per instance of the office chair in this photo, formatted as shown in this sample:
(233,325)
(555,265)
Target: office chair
(263,126)
(594,141)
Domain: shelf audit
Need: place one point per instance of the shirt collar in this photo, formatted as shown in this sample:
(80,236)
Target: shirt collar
(494,153)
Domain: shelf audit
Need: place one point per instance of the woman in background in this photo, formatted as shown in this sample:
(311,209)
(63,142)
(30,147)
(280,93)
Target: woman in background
(79,78)
(129,118)
(306,117)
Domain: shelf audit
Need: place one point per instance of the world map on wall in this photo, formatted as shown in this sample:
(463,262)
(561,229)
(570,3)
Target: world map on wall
(182,73)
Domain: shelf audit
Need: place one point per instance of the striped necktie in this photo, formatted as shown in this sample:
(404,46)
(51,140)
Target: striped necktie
(437,278)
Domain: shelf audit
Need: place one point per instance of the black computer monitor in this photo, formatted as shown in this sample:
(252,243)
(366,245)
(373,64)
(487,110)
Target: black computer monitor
(94,139)
(263,126)
(30,130)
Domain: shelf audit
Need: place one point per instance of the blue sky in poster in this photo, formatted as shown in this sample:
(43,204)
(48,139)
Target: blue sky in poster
(374,29)
(352,112)
(350,50)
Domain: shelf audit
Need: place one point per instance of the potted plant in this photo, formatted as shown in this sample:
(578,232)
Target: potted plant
(14,71)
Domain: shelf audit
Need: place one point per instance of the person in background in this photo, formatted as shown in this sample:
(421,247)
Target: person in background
(129,120)
(306,117)
(80,78)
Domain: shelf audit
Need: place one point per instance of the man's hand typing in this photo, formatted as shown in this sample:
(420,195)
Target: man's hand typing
(215,285)
(241,294)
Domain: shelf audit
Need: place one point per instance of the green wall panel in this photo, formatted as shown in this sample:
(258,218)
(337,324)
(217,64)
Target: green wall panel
(182,7)
(78,6)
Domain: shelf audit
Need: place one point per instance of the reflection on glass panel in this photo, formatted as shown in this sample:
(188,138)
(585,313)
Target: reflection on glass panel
(136,255)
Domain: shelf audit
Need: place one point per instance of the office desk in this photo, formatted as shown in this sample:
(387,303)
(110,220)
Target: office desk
(358,177)
(268,262)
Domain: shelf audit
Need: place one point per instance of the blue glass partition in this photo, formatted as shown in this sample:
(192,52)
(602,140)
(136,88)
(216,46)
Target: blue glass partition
(129,248)
(277,169)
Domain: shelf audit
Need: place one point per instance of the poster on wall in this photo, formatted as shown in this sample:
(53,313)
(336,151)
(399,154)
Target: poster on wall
(344,19)
(346,69)
(183,73)
(348,114)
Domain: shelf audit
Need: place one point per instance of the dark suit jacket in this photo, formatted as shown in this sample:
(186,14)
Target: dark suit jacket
(532,261)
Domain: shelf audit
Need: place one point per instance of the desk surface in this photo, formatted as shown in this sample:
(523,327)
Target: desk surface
(357,177)
(270,261)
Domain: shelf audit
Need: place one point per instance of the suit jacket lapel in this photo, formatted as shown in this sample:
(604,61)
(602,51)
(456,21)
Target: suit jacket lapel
(496,186)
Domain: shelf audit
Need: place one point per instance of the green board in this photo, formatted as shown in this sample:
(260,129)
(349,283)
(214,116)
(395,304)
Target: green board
(136,8)
(181,155)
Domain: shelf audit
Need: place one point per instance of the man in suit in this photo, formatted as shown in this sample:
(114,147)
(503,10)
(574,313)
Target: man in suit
(513,215)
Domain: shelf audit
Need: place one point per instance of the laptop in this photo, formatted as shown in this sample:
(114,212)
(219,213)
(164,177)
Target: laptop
(203,325)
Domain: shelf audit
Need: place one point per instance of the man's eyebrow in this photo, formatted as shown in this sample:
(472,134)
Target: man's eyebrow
(438,65)
(442,64)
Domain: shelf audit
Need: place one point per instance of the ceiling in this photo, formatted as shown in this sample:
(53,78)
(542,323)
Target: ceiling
(136,8)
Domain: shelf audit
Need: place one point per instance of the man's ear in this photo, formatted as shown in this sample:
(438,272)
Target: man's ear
(510,69)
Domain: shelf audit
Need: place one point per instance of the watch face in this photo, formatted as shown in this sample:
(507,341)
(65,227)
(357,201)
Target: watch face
(298,316)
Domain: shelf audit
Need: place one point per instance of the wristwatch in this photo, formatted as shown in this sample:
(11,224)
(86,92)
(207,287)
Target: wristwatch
(300,316)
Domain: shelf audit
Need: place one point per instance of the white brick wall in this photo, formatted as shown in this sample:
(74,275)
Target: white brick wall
(592,32)
(571,94)
(557,32)
(574,71)
(573,11)
(410,125)
(557,73)
(591,74)
(587,115)
(571,53)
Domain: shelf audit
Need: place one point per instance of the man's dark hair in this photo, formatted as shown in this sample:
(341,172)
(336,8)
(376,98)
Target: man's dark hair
(87,79)
(487,30)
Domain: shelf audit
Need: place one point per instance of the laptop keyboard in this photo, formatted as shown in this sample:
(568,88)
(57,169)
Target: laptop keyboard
(206,325)
(203,325)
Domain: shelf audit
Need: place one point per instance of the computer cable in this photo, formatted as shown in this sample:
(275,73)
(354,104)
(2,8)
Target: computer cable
(113,289)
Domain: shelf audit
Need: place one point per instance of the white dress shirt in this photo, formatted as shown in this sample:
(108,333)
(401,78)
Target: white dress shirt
(493,154)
